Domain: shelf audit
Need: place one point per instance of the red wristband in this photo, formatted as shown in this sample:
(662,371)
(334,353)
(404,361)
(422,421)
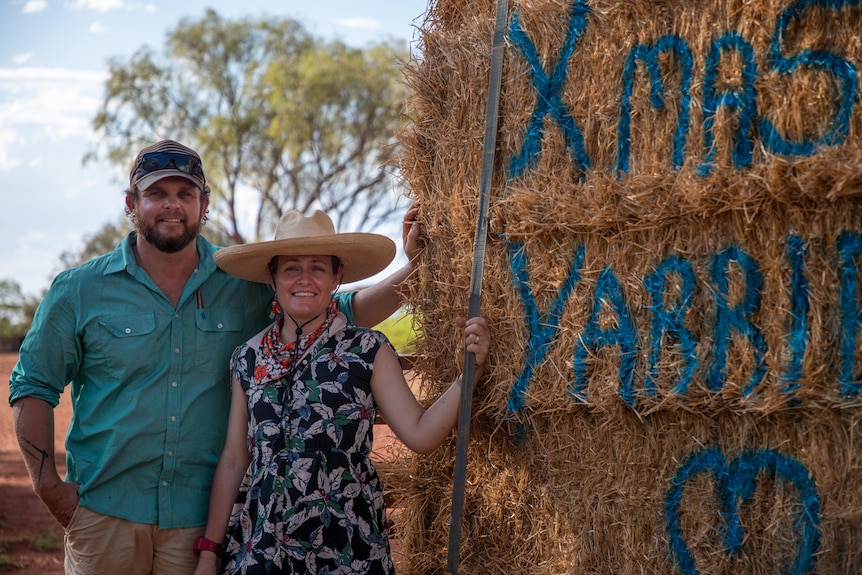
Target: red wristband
(204,544)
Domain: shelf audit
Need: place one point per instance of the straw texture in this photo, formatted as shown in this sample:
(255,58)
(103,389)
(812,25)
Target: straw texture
(672,279)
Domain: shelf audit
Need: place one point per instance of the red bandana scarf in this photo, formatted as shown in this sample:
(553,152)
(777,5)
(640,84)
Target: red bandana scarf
(276,359)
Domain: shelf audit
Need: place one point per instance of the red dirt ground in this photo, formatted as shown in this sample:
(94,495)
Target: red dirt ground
(31,541)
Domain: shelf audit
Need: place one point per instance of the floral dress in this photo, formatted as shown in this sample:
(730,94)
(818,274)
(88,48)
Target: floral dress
(311,500)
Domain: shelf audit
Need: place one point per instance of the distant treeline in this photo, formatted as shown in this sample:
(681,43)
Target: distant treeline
(10,344)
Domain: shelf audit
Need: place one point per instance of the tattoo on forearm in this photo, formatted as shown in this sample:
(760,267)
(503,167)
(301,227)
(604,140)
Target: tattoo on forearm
(32,450)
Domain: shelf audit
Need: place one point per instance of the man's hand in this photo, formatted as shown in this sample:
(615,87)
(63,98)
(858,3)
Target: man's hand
(61,499)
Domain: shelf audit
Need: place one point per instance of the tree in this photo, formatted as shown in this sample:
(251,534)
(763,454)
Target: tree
(16,310)
(107,238)
(95,244)
(281,119)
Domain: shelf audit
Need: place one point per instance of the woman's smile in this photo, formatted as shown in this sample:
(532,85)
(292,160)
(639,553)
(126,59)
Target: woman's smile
(304,287)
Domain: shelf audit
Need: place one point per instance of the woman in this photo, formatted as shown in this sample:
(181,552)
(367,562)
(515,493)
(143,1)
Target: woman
(306,391)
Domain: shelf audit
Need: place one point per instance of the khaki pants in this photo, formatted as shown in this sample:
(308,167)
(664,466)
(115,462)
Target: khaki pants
(97,544)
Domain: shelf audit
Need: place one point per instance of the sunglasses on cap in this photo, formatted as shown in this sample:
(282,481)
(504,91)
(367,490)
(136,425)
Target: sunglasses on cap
(158,161)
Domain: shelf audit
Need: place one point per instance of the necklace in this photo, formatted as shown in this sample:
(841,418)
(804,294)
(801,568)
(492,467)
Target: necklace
(297,350)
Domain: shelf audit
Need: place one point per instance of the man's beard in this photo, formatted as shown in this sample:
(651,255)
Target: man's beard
(169,245)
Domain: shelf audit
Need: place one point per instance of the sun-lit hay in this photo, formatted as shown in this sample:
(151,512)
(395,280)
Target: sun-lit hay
(577,480)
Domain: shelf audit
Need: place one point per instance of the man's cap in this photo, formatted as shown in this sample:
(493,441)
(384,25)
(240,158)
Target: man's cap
(165,159)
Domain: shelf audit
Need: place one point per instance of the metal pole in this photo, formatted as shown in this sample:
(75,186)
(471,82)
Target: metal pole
(479,243)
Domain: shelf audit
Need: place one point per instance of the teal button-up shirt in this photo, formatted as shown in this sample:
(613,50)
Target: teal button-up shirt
(150,383)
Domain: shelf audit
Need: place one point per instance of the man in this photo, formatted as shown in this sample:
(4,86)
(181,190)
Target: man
(144,335)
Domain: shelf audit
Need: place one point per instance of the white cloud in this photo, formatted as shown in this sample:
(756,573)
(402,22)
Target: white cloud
(360,23)
(51,103)
(12,75)
(104,6)
(97,28)
(98,5)
(49,198)
(19,59)
(6,163)
(34,6)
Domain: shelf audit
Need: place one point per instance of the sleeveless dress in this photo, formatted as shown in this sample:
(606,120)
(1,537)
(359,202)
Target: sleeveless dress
(311,500)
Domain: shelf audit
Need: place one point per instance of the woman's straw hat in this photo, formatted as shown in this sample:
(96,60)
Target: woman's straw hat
(363,254)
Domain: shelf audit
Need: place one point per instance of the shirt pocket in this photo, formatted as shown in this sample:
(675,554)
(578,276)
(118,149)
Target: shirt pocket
(218,331)
(128,339)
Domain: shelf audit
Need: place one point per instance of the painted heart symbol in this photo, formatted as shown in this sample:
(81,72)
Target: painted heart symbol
(737,482)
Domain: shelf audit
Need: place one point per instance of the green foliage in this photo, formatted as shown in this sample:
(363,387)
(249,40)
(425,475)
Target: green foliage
(16,310)
(5,561)
(282,119)
(96,244)
(107,238)
(48,540)
(399,329)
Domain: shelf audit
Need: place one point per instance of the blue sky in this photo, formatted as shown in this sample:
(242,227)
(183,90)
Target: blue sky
(53,62)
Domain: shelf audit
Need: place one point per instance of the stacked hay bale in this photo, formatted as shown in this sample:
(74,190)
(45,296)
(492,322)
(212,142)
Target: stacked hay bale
(672,278)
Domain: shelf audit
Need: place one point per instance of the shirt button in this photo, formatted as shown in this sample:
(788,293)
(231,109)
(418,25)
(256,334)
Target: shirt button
(170,453)
(164,483)
(176,350)
(220,326)
(173,384)
(173,418)
(128,330)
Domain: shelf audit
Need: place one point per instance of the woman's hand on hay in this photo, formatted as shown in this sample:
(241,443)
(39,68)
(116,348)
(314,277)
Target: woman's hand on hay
(422,430)
(477,340)
(411,231)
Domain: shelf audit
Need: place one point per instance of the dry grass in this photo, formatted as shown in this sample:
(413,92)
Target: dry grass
(580,487)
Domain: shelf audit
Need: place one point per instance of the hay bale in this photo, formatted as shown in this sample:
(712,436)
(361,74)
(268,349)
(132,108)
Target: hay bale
(672,278)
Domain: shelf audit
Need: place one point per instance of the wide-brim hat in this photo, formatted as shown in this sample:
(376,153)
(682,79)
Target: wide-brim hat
(362,254)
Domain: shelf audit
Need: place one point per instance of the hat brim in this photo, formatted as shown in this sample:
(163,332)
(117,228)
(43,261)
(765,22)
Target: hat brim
(362,255)
(153,177)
